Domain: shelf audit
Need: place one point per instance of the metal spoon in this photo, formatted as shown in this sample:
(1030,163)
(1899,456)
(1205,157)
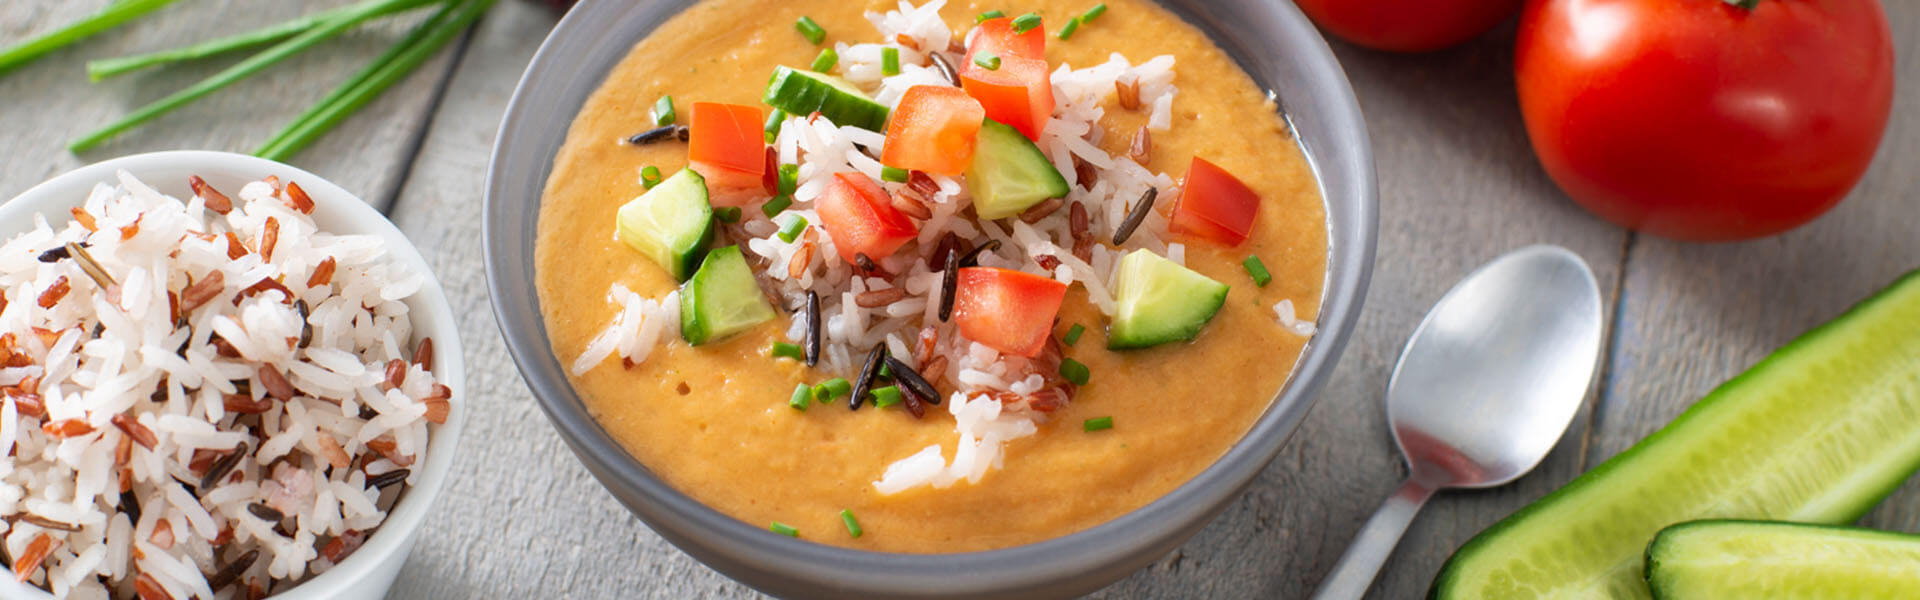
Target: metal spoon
(1483,390)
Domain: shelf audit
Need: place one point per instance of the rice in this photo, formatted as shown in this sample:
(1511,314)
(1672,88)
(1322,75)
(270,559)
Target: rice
(128,392)
(995,398)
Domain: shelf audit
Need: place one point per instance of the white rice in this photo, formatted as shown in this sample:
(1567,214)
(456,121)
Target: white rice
(976,373)
(110,367)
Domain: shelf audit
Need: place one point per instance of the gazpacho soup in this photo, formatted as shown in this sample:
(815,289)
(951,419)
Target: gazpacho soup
(938,278)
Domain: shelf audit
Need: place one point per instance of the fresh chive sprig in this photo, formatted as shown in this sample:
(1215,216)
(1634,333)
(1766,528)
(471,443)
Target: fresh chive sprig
(108,18)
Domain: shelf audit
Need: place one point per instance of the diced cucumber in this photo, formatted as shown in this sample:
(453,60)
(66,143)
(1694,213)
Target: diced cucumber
(1711,560)
(1158,301)
(1009,174)
(722,299)
(671,223)
(801,92)
(1818,432)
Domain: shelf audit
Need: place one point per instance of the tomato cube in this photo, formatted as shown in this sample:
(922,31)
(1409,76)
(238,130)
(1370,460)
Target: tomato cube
(933,130)
(861,218)
(1010,311)
(997,36)
(727,147)
(1019,93)
(1215,205)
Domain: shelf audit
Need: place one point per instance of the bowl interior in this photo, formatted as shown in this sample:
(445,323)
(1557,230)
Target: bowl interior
(1271,40)
(338,211)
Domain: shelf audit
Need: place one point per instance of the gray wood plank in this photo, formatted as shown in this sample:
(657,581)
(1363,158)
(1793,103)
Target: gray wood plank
(50,102)
(522,518)
(1695,315)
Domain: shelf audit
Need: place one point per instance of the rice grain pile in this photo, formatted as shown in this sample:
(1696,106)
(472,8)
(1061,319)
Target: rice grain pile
(207,398)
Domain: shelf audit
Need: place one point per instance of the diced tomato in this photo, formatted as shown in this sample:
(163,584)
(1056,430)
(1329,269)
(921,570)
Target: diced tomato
(1215,205)
(861,218)
(727,147)
(933,130)
(1007,310)
(1018,94)
(996,36)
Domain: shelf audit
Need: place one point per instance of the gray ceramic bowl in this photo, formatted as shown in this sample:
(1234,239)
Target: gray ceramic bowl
(1270,39)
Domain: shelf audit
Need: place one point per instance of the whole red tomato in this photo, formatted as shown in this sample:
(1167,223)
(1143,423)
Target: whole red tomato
(1408,25)
(1702,120)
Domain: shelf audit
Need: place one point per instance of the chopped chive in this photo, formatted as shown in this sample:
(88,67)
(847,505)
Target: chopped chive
(889,61)
(987,60)
(777,204)
(812,30)
(1073,334)
(853,525)
(784,529)
(1257,270)
(988,16)
(826,60)
(774,121)
(786,350)
(1067,32)
(793,229)
(831,389)
(894,174)
(1097,424)
(789,179)
(1025,23)
(800,397)
(650,176)
(1074,371)
(663,114)
(1093,13)
(885,372)
(727,214)
(886,396)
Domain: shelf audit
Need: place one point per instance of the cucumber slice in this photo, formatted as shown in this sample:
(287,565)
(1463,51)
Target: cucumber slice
(1009,174)
(1158,301)
(671,223)
(1754,559)
(1818,432)
(802,92)
(722,299)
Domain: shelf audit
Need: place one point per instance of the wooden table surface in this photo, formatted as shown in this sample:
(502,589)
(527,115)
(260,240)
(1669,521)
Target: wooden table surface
(1458,186)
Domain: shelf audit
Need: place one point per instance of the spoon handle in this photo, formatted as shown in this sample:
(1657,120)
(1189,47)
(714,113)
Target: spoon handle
(1354,573)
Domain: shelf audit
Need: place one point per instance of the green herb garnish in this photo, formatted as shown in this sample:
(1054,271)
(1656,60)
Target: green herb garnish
(1025,23)
(793,228)
(987,60)
(893,174)
(1258,270)
(800,397)
(889,61)
(784,529)
(1097,424)
(786,350)
(1073,334)
(727,214)
(789,179)
(1074,371)
(853,525)
(777,204)
(650,176)
(988,16)
(775,120)
(886,396)
(1093,13)
(831,389)
(98,70)
(663,114)
(826,60)
(1067,32)
(812,30)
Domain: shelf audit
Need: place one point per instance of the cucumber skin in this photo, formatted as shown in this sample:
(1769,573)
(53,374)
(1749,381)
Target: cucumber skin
(1444,583)
(1662,586)
(1003,140)
(1120,337)
(697,329)
(683,266)
(869,118)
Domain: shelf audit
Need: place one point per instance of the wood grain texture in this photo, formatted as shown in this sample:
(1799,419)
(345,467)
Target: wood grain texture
(49,102)
(1695,315)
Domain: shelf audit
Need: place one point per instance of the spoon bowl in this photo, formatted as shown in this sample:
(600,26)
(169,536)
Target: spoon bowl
(1484,389)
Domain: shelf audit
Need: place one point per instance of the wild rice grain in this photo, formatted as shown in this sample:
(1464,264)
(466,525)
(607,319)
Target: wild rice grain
(266,513)
(948,242)
(1133,220)
(91,267)
(1041,210)
(879,298)
(949,279)
(388,478)
(220,468)
(813,328)
(306,327)
(913,381)
(658,134)
(972,259)
(228,574)
(868,373)
(865,263)
(215,201)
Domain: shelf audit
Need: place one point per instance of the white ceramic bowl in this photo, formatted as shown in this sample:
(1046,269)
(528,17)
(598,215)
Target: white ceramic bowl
(372,569)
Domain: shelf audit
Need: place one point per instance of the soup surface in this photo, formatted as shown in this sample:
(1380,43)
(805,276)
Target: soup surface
(714,420)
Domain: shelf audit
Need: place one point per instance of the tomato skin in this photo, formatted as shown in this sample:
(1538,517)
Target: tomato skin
(1018,94)
(1700,120)
(933,129)
(726,146)
(996,36)
(1408,25)
(1010,311)
(1214,205)
(861,218)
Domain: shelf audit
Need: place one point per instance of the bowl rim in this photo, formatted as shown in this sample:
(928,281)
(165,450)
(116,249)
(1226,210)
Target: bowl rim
(432,315)
(786,565)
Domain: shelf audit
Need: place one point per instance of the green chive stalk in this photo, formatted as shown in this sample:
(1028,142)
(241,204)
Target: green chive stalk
(98,70)
(245,68)
(421,44)
(111,16)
